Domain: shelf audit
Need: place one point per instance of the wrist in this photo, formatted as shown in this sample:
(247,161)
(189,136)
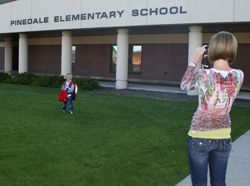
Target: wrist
(192,64)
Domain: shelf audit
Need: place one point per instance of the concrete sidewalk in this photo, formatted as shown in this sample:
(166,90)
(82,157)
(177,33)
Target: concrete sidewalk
(238,172)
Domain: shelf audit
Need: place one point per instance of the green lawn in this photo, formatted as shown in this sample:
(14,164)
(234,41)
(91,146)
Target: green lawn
(111,140)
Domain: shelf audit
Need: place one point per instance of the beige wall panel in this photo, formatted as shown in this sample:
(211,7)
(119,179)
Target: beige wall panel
(161,38)
(136,39)
(45,41)
(242,38)
(95,40)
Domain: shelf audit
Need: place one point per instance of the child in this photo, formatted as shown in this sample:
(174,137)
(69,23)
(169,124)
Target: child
(69,86)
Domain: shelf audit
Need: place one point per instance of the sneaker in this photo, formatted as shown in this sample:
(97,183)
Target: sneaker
(71,112)
(63,110)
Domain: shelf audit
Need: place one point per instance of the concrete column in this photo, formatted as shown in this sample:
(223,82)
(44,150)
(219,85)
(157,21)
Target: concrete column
(195,40)
(66,61)
(8,55)
(23,53)
(122,59)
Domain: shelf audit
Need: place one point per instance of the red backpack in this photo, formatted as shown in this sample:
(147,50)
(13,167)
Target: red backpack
(62,96)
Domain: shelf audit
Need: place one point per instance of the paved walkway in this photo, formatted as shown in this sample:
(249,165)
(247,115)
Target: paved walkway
(238,172)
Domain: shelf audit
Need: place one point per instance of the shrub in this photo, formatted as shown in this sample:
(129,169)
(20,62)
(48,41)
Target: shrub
(4,76)
(56,81)
(25,78)
(11,80)
(86,84)
(43,81)
(47,81)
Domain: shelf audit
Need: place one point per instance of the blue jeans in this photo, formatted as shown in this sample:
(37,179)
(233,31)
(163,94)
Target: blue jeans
(212,152)
(69,104)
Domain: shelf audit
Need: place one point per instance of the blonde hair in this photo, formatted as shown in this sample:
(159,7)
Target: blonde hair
(68,75)
(222,45)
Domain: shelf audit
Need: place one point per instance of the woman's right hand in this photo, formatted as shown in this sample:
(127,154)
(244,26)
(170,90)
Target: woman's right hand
(199,52)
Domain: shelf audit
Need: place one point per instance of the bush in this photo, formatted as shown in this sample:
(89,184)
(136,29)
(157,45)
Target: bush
(25,78)
(47,81)
(56,81)
(11,80)
(86,84)
(43,81)
(4,76)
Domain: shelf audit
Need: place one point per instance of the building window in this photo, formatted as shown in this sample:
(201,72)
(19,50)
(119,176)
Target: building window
(135,59)
(73,53)
(114,59)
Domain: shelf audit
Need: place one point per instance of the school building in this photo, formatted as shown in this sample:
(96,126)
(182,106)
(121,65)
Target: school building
(147,41)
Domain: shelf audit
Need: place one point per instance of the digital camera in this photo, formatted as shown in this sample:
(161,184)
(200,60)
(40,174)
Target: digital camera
(205,63)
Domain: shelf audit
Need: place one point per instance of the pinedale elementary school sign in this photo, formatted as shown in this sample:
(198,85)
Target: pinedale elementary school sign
(113,14)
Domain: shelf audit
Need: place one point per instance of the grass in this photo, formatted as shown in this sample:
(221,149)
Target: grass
(111,140)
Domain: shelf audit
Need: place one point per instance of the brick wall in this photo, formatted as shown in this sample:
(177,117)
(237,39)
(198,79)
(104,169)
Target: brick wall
(44,59)
(1,58)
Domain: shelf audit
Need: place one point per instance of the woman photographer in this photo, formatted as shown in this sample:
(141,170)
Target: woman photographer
(209,139)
